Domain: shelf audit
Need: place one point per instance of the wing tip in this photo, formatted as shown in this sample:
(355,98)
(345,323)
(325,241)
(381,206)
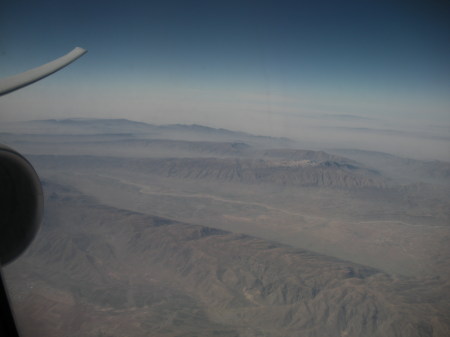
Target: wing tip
(79,51)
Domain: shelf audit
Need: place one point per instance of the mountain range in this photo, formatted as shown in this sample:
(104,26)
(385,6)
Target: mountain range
(187,230)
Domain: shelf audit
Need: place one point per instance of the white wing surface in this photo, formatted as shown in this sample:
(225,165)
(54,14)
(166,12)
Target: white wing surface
(15,82)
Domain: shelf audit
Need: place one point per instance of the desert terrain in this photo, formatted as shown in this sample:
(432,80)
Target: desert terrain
(186,230)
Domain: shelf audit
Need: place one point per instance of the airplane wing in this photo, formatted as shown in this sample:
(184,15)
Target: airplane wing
(15,82)
(21,198)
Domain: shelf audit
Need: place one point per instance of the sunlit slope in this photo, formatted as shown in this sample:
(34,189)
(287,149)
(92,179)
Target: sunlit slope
(98,270)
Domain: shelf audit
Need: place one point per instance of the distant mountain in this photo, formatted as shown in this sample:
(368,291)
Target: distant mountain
(247,171)
(287,172)
(101,271)
(201,129)
(399,168)
(211,132)
(81,126)
(91,126)
(101,122)
(189,151)
(170,147)
(296,154)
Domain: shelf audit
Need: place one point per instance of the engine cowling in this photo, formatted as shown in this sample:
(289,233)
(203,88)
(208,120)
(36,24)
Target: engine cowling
(21,204)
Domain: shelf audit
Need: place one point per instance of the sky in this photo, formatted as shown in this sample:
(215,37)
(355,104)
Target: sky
(363,74)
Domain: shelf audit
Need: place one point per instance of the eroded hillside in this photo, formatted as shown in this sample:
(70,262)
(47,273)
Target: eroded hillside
(100,270)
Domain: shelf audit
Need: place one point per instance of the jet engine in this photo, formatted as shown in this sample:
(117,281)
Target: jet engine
(21,204)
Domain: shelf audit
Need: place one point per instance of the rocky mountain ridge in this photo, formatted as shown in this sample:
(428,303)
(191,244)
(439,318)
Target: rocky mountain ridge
(112,261)
(247,171)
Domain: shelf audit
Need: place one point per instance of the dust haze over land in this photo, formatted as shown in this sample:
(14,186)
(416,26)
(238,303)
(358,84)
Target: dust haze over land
(367,230)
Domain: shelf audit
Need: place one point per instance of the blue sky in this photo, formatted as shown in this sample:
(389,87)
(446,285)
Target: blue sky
(294,68)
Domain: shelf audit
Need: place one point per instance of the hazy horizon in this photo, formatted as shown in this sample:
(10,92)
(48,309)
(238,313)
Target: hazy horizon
(417,144)
(372,76)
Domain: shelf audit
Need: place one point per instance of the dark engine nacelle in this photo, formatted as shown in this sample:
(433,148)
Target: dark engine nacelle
(21,204)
